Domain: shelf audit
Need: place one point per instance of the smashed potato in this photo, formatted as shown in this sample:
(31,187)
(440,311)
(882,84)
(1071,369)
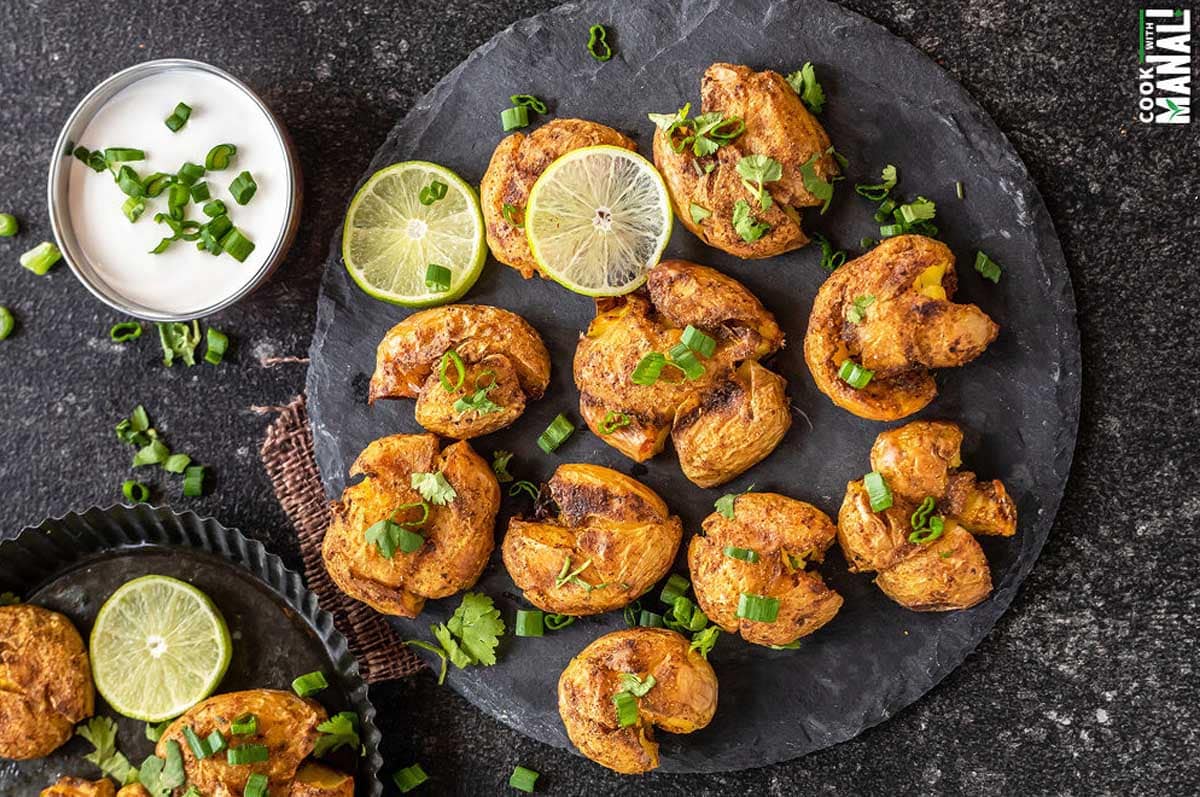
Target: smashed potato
(683,697)
(317,780)
(777,125)
(458,534)
(68,786)
(45,681)
(777,538)
(503,359)
(723,422)
(890,311)
(611,540)
(516,164)
(925,571)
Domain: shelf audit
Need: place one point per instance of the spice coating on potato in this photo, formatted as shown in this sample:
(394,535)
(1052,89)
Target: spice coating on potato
(682,700)
(45,681)
(458,536)
(613,529)
(917,461)
(317,780)
(785,536)
(502,355)
(516,164)
(908,326)
(67,786)
(723,422)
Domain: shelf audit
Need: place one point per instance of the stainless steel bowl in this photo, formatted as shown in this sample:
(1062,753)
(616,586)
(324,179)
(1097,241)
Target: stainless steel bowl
(59,204)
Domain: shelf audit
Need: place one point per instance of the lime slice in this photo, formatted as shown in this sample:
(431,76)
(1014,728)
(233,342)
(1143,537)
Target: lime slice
(159,647)
(390,238)
(598,219)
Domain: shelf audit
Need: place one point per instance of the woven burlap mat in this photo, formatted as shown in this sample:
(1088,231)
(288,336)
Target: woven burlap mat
(287,454)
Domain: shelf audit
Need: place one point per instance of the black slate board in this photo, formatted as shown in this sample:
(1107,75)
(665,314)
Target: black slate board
(1019,403)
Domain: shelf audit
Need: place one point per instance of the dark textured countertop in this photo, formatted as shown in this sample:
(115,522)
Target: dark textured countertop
(1088,684)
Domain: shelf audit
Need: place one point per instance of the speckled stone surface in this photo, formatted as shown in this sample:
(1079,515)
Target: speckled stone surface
(1086,686)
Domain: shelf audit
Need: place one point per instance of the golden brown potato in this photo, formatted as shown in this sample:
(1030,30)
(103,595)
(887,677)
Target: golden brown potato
(613,532)
(458,535)
(67,786)
(316,780)
(786,536)
(778,126)
(287,725)
(504,360)
(683,698)
(133,790)
(908,326)
(725,421)
(516,164)
(45,681)
(948,571)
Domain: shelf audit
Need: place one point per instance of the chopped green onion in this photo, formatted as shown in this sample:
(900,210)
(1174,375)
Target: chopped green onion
(758,608)
(878,491)
(649,619)
(631,614)
(432,193)
(698,342)
(958,189)
(920,518)
(614,421)
(698,213)
(256,785)
(510,215)
(530,623)
(178,197)
(409,778)
(683,358)
(745,554)
(189,173)
(120,154)
(216,742)
(214,208)
(556,622)
(236,244)
(96,162)
(7,322)
(920,209)
(675,587)
(856,311)
(437,278)
(831,259)
(193,481)
(156,183)
(598,45)
(133,208)
(527,487)
(866,243)
(627,709)
(243,187)
(451,358)
(530,101)
(162,246)
(854,374)
(244,725)
(200,192)
(218,343)
(177,463)
(523,779)
(514,118)
(8,225)
(82,154)
(309,683)
(888,230)
(556,434)
(927,535)
(153,453)
(128,181)
(178,117)
(247,754)
(135,491)
(218,157)
(125,331)
(987,267)
(220,226)
(880,190)
(199,748)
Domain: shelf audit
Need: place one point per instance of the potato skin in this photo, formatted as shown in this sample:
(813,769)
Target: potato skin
(516,163)
(317,780)
(45,681)
(459,535)
(133,790)
(775,527)
(605,517)
(68,786)
(683,699)
(904,332)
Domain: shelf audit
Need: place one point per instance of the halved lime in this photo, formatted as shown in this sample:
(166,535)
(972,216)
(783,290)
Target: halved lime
(598,219)
(391,238)
(159,647)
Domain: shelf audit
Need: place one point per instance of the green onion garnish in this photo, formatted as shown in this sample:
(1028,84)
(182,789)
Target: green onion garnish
(866,243)
(556,622)
(878,491)
(745,554)
(189,173)
(614,421)
(556,434)
(193,481)
(409,778)
(199,748)
(451,358)
(216,742)
(178,197)
(177,463)
(854,374)
(930,533)
(178,117)
(309,683)
(683,358)
(831,259)
(530,623)
(885,209)
(214,208)
(879,191)
(243,188)
(527,487)
(920,518)
(510,215)
(649,619)
(128,181)
(200,192)
(7,322)
(244,725)
(598,45)
(135,491)
(155,184)
(218,343)
(437,278)
(856,311)
(759,608)
(698,342)
(648,369)
(989,268)
(220,226)
(675,587)
(162,246)
(529,101)
(256,785)
(8,225)
(153,453)
(133,208)
(247,754)
(432,192)
(889,230)
(219,156)
(120,154)
(514,118)
(236,243)
(631,614)
(125,331)
(958,189)
(627,709)
(523,779)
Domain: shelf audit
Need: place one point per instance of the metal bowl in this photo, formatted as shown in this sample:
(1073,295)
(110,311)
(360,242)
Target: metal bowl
(59,184)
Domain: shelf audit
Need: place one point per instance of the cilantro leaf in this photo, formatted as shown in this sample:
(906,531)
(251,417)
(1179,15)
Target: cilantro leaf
(879,191)
(815,184)
(385,534)
(340,730)
(831,259)
(668,122)
(477,623)
(698,213)
(746,225)
(635,686)
(102,733)
(477,402)
(434,649)
(756,170)
(500,460)
(856,312)
(160,777)
(725,503)
(704,640)
(804,82)
(457,655)
(706,133)
(8,599)
(433,487)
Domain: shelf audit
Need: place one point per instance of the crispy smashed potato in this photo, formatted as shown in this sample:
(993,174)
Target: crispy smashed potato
(504,363)
(317,780)
(45,681)
(722,423)
(906,326)
(458,536)
(683,698)
(785,536)
(133,790)
(612,532)
(778,126)
(948,571)
(516,164)
(67,786)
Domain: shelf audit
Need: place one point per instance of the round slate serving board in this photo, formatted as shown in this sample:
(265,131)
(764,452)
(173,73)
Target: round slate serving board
(1019,403)
(73,563)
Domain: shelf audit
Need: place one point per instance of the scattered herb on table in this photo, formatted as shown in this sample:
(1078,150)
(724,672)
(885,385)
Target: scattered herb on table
(102,733)
(804,82)
(597,44)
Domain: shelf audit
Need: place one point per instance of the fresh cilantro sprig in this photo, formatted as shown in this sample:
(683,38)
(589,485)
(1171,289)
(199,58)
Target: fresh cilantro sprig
(705,133)
(500,460)
(477,402)
(804,82)
(725,503)
(831,258)
(748,227)
(704,640)
(161,777)
(469,637)
(340,730)
(433,487)
(877,192)
(816,185)
(756,170)
(102,733)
